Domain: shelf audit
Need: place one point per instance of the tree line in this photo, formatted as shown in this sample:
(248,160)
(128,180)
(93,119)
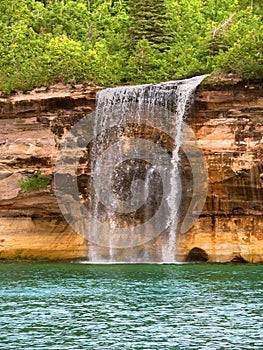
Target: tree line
(111,42)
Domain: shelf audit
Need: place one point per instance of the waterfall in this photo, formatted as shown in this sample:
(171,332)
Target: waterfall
(119,173)
(133,107)
(184,98)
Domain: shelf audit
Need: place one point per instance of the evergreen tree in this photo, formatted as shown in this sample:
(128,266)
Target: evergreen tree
(149,20)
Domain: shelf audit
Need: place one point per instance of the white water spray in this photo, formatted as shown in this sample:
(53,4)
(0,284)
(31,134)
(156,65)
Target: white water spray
(134,104)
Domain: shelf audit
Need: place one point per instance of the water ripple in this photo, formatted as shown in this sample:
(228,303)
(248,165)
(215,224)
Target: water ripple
(74,306)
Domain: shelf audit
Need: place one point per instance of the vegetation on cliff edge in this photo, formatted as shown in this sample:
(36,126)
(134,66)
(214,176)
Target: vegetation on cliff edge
(34,183)
(110,42)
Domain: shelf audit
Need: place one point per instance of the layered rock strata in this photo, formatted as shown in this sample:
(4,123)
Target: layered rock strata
(227,120)
(31,125)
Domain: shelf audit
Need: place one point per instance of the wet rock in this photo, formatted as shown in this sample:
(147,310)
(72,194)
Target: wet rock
(227,121)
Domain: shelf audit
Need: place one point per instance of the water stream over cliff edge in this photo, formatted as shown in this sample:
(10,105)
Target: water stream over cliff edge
(134,169)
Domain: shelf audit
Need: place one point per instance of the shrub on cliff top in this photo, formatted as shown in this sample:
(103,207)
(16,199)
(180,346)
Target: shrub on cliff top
(115,42)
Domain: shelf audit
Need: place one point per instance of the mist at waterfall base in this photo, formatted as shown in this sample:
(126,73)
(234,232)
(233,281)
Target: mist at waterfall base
(127,195)
(123,307)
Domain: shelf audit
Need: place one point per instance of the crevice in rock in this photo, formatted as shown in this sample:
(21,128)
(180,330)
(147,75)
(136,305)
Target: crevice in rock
(197,255)
(238,259)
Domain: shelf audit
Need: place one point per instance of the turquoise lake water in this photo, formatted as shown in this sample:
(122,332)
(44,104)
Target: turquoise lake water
(81,306)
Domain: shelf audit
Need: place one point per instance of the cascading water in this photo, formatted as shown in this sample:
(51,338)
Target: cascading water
(184,97)
(119,173)
(130,107)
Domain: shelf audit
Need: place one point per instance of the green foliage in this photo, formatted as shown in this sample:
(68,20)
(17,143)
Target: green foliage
(34,183)
(110,42)
(243,47)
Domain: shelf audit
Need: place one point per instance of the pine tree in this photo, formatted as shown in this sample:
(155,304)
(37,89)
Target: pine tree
(150,21)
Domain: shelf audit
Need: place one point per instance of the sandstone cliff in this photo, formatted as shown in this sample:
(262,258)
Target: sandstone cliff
(228,122)
(31,225)
(227,119)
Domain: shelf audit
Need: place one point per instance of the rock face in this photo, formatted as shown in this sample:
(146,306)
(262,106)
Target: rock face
(31,225)
(227,120)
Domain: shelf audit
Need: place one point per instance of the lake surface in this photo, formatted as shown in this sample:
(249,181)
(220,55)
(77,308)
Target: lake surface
(80,306)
